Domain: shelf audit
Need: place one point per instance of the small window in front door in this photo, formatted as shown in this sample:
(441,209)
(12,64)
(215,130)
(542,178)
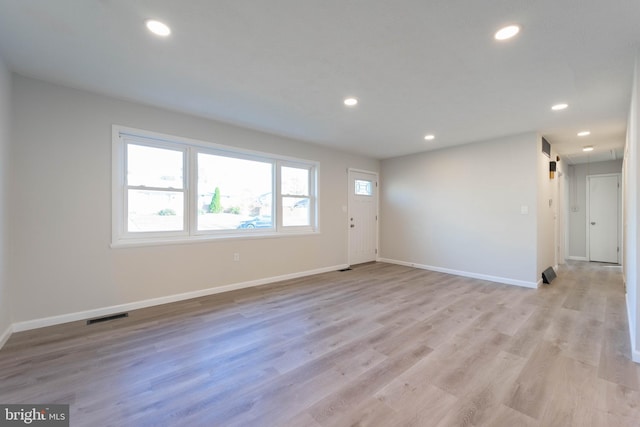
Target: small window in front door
(363,188)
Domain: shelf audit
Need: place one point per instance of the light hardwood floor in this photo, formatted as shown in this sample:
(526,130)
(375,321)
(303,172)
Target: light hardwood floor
(381,345)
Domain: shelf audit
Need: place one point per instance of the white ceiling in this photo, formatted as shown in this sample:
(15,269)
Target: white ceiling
(284,66)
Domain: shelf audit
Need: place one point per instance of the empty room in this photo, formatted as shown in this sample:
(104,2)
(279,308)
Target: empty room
(334,213)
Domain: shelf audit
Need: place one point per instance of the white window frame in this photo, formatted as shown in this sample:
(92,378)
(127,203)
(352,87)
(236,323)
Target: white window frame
(313,203)
(236,154)
(185,188)
(121,136)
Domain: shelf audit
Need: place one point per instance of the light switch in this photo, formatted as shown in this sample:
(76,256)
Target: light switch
(524,210)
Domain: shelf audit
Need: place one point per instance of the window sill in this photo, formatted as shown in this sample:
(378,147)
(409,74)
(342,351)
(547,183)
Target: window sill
(208,238)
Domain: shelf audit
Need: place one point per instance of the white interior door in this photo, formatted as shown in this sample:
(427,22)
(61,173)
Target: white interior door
(602,221)
(363,216)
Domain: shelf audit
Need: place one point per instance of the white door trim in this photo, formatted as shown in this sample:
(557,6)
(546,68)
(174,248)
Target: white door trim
(349,207)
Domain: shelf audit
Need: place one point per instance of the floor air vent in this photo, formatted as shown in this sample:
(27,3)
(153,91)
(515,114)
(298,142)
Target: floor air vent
(107,318)
(548,275)
(346,269)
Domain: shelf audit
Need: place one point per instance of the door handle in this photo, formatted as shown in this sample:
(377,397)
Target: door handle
(593,223)
(352,225)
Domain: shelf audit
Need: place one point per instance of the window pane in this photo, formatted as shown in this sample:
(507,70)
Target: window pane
(155,211)
(154,167)
(363,188)
(295,211)
(234,193)
(295,181)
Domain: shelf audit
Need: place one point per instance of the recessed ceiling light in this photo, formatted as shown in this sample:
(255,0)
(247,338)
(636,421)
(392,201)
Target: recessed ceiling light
(588,148)
(584,133)
(158,28)
(507,32)
(350,102)
(429,137)
(559,107)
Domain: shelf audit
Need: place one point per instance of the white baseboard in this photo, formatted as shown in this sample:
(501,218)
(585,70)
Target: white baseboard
(578,258)
(635,352)
(5,336)
(105,311)
(504,280)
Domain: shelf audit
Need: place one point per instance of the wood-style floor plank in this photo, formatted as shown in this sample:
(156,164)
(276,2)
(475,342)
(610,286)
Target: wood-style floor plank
(380,345)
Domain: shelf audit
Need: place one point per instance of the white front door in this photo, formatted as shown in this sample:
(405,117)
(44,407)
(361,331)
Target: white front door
(363,216)
(602,222)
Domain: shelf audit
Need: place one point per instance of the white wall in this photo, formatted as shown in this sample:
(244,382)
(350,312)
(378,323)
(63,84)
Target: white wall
(62,209)
(631,210)
(547,210)
(5,120)
(562,212)
(577,182)
(459,210)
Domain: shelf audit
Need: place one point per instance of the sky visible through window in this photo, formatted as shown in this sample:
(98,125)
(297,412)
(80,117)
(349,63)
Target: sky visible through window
(235,176)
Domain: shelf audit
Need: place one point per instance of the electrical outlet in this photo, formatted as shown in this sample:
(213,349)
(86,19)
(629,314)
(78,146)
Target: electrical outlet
(236,256)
